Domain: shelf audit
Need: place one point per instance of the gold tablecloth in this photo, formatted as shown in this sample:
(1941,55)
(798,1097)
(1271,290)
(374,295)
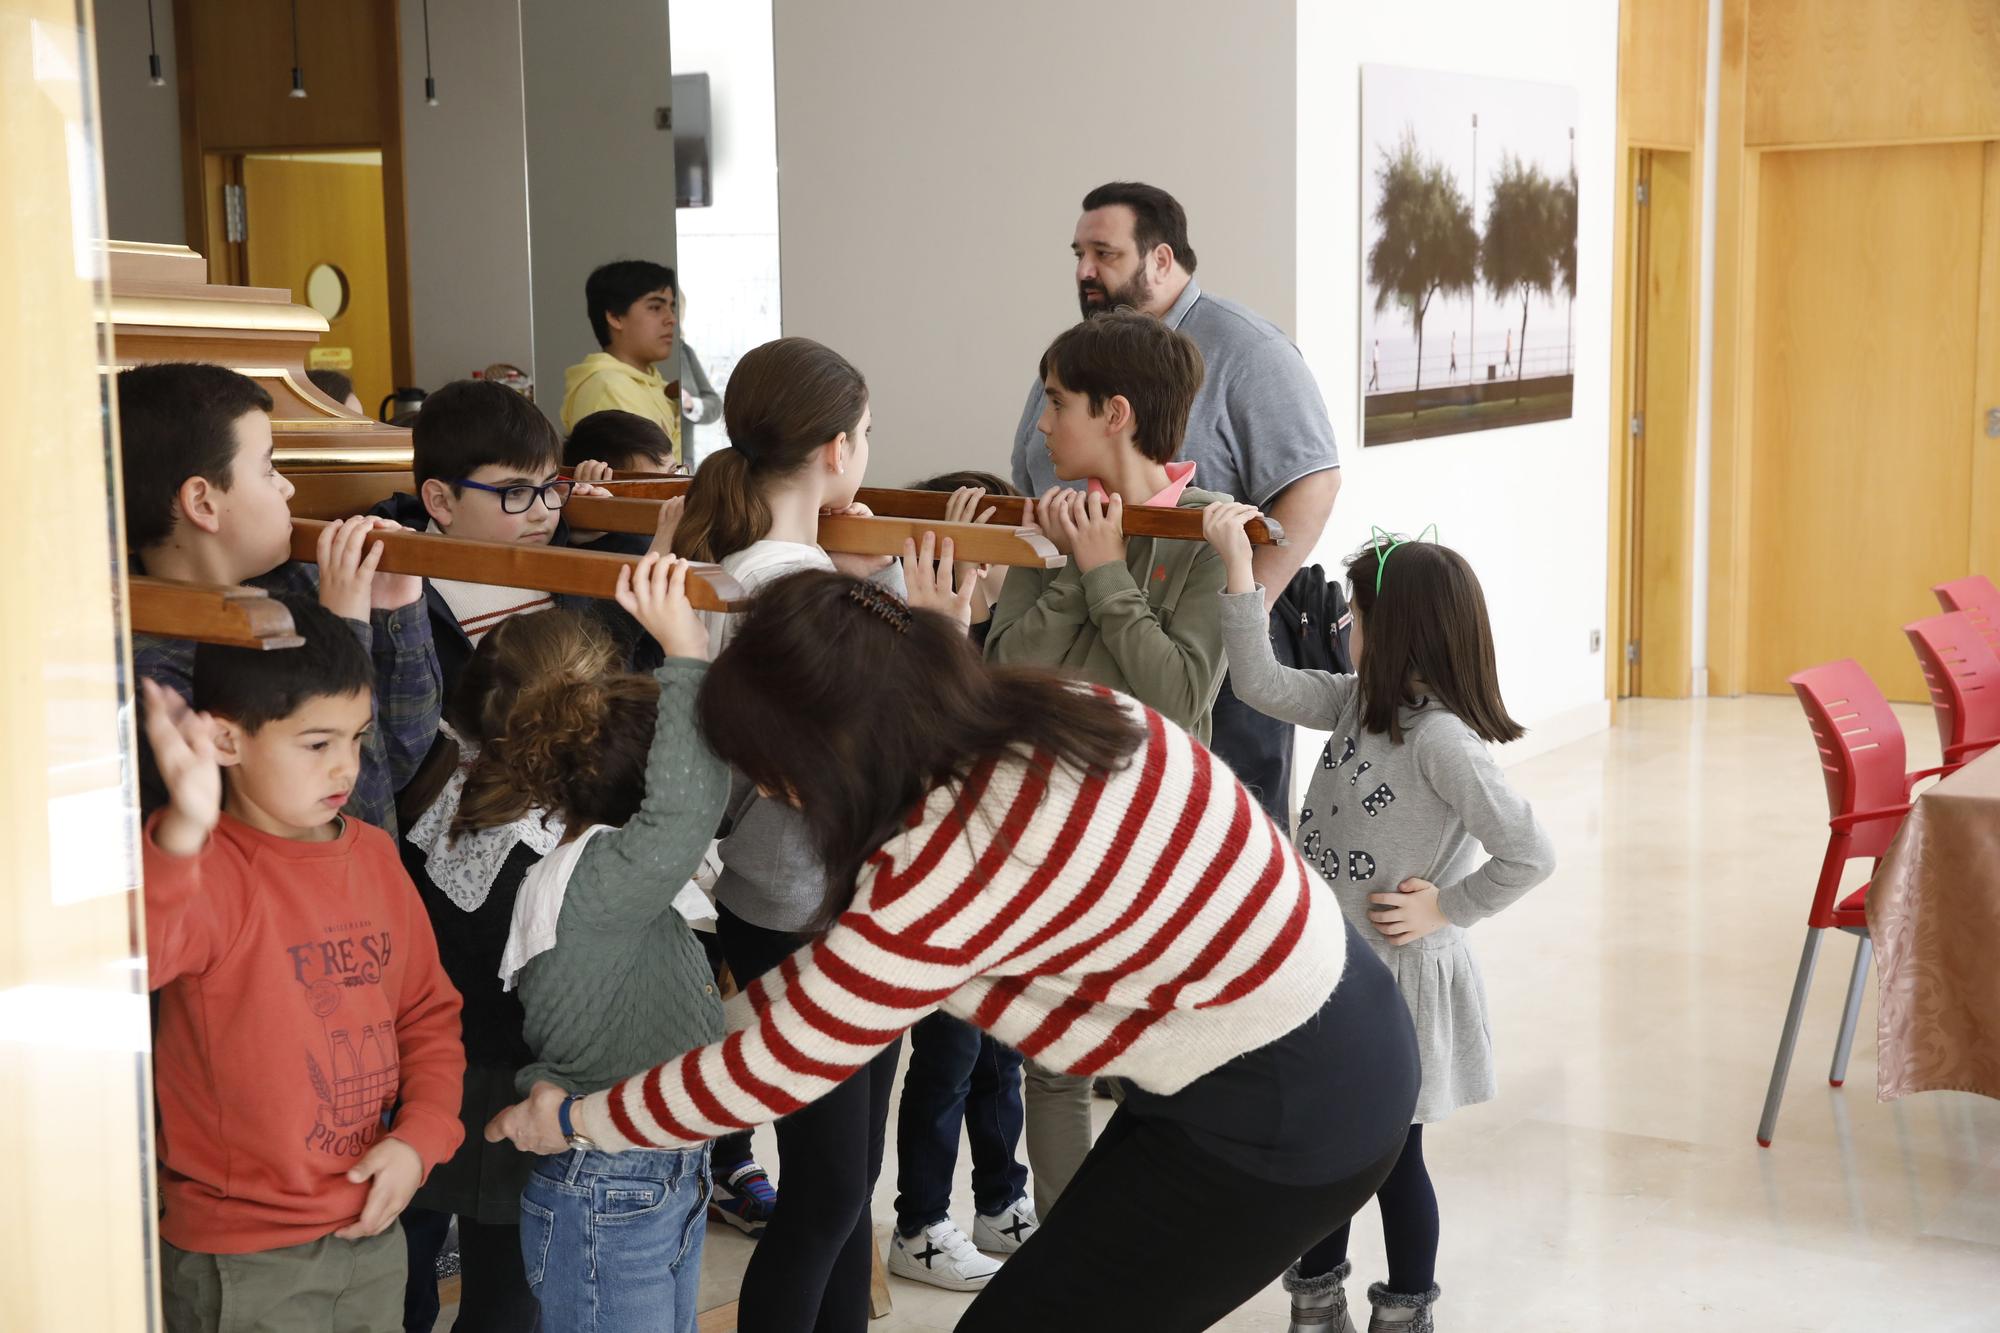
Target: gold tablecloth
(1934,914)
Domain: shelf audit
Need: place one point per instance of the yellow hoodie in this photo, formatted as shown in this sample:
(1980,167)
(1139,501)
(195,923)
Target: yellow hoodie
(601,381)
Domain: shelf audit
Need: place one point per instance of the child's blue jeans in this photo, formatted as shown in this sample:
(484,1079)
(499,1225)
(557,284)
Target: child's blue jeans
(612,1241)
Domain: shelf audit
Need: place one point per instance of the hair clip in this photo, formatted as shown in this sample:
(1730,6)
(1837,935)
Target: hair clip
(874,597)
(1377,536)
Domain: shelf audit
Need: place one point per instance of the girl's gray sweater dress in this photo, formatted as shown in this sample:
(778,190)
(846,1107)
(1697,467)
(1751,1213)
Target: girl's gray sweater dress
(1376,814)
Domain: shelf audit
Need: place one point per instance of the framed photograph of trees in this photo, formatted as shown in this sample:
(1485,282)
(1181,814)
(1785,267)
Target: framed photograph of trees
(1468,253)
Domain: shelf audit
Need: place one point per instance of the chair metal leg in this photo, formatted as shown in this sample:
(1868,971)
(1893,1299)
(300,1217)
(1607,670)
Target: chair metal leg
(1790,1039)
(1857,985)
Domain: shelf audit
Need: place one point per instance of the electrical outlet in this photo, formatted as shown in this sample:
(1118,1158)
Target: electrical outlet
(1597,641)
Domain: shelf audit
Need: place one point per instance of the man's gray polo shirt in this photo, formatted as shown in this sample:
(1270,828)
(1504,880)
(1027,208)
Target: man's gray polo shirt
(1258,424)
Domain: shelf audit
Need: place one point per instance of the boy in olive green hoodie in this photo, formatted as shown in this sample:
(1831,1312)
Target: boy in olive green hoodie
(1143,614)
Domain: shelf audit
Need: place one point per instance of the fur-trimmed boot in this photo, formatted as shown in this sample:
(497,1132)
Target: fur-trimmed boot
(1395,1312)
(1319,1304)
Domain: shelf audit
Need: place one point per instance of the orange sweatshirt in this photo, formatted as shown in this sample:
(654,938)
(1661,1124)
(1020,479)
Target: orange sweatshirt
(301,1003)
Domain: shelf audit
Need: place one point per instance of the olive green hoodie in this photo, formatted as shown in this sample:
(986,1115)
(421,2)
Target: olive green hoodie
(1151,627)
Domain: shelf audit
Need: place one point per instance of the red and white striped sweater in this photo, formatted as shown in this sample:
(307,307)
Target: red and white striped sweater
(1151,924)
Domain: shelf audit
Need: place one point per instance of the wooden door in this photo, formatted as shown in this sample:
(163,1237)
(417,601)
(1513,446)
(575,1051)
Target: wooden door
(1659,619)
(1863,411)
(302,211)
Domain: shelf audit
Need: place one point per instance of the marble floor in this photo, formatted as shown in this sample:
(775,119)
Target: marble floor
(1636,997)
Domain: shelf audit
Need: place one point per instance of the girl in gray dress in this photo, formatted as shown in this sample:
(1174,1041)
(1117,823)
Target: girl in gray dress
(1404,800)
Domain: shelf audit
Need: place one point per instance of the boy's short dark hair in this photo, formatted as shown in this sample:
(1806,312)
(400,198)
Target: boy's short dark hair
(952,481)
(1154,368)
(612,288)
(255,687)
(612,436)
(1156,216)
(177,419)
(470,423)
(331,383)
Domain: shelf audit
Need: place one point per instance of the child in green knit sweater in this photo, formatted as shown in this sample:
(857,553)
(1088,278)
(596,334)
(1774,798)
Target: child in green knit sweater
(611,977)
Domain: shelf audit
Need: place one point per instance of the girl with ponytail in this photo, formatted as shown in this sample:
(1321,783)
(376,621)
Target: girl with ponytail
(607,969)
(798,418)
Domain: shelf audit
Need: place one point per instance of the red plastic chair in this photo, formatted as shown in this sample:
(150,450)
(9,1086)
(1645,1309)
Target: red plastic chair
(1861,754)
(1977,597)
(1963,673)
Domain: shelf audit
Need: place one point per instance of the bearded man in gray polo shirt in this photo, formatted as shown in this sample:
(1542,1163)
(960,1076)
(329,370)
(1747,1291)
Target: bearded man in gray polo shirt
(1258,431)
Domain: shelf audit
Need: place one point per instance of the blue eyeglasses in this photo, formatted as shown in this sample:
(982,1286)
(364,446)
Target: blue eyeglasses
(516,499)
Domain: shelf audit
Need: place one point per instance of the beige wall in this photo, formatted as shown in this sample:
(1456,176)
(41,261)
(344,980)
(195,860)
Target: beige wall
(931,158)
(465,160)
(141,125)
(600,175)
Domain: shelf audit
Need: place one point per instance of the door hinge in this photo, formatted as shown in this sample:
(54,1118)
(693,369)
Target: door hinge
(1993,423)
(235,217)
(1638,426)
(1632,652)
(1639,191)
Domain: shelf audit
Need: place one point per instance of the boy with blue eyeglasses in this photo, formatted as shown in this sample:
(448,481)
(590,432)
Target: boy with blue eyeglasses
(488,467)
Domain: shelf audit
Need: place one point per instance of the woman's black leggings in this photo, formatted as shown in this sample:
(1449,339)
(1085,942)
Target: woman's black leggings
(811,1267)
(1409,1226)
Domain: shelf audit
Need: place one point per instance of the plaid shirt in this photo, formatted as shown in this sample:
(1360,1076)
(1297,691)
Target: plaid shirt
(408,696)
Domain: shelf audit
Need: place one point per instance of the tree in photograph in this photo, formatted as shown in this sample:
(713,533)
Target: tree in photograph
(1428,243)
(1566,228)
(1524,242)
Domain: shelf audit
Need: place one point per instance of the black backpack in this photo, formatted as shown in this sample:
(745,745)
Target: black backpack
(1313,618)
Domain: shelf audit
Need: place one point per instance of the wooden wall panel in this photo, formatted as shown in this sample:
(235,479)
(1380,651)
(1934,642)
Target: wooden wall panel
(241,52)
(1864,364)
(1660,72)
(1666,487)
(1872,71)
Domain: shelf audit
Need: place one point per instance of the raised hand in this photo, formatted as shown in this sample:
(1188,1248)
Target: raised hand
(1098,532)
(655,592)
(347,561)
(1222,524)
(183,744)
(670,520)
(1057,512)
(963,507)
(929,576)
(847,562)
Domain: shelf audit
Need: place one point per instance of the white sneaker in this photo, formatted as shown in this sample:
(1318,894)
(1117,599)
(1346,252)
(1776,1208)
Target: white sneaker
(1006,1231)
(941,1255)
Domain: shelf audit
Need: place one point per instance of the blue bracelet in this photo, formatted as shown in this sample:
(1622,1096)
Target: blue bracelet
(562,1117)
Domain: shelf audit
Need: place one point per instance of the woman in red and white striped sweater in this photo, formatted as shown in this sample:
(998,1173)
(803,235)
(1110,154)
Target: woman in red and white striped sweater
(1066,869)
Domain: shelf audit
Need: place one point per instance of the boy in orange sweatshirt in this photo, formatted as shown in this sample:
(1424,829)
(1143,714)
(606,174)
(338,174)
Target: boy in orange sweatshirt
(307,1058)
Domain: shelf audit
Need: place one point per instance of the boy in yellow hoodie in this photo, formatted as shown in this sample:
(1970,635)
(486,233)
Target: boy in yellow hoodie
(633,313)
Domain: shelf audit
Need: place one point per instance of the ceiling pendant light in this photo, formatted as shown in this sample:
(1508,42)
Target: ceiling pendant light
(157,79)
(430,84)
(298,79)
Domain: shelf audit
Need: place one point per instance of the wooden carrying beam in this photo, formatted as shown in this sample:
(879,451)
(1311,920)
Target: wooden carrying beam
(329,495)
(1140,520)
(543,568)
(978,543)
(210,613)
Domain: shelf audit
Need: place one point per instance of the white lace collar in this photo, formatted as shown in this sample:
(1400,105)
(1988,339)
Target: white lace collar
(464,869)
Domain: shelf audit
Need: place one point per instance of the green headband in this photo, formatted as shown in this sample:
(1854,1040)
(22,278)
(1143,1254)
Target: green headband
(1377,536)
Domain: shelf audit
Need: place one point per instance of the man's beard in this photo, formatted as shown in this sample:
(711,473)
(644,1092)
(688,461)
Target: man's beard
(1135,293)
